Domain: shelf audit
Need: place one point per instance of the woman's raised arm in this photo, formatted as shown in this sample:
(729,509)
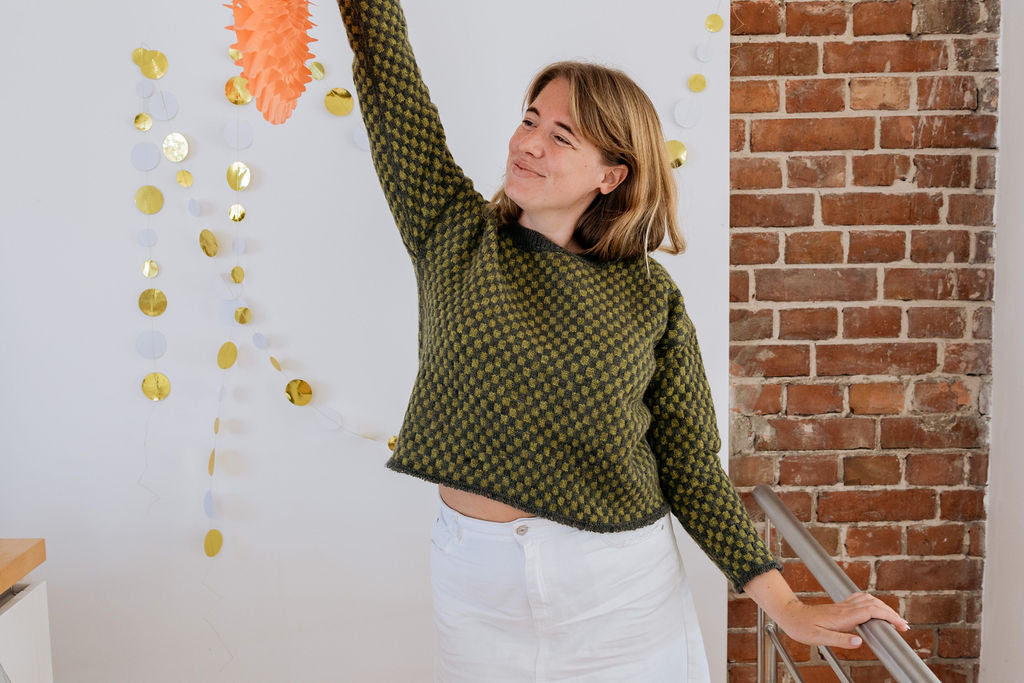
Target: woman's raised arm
(420,179)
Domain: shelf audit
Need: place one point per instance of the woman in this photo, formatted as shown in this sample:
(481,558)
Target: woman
(561,404)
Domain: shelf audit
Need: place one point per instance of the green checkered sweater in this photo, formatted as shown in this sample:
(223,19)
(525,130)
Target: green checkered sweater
(563,385)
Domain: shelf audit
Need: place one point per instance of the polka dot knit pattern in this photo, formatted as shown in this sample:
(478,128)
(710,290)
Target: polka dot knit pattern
(563,385)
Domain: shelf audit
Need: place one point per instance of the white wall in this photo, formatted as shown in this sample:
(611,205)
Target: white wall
(1002,623)
(324,572)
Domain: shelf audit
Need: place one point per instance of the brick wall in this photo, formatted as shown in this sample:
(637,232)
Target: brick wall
(863,180)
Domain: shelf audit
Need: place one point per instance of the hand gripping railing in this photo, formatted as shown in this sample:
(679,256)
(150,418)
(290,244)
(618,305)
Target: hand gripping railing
(892,651)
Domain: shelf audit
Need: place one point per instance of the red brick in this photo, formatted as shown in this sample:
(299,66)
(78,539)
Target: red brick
(877,208)
(942,431)
(742,612)
(739,286)
(815,284)
(965,505)
(805,134)
(808,323)
(935,469)
(865,470)
(872,321)
(808,470)
(879,18)
(981,323)
(814,399)
(754,174)
(880,93)
(798,502)
(974,284)
(771,210)
(746,325)
(751,17)
(815,18)
(815,434)
(968,359)
(750,97)
(757,399)
(976,54)
(874,540)
(818,246)
(932,539)
(918,283)
(986,175)
(765,360)
(817,94)
(751,470)
(943,131)
(936,321)
(944,396)
(973,603)
(773,59)
(954,672)
(753,247)
(737,135)
(897,358)
(983,248)
(970,209)
(988,95)
(955,16)
(923,575)
(947,92)
(885,56)
(932,609)
(875,506)
(801,580)
(816,171)
(876,246)
(880,169)
(959,642)
(978,469)
(940,246)
(942,170)
(826,536)
(976,536)
(876,399)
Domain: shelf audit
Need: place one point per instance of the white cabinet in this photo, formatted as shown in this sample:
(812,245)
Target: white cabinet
(25,635)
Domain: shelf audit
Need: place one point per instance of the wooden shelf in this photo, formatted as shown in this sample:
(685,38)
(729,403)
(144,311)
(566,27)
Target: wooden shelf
(19,556)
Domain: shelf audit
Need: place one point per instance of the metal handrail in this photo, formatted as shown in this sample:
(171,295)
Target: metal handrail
(892,651)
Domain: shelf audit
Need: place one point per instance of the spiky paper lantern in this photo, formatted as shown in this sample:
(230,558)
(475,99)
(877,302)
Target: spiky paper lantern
(272,37)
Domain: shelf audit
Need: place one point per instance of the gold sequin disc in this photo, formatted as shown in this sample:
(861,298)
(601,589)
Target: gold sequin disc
(339,101)
(184,178)
(153,64)
(392,440)
(213,458)
(299,392)
(138,54)
(216,426)
(275,363)
(143,121)
(213,542)
(234,54)
(714,23)
(153,302)
(316,70)
(239,176)
(237,274)
(149,199)
(243,315)
(208,243)
(236,91)
(150,268)
(156,386)
(236,212)
(227,355)
(676,153)
(698,83)
(175,147)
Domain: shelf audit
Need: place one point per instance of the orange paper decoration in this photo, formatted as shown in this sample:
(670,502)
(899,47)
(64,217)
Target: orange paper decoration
(274,45)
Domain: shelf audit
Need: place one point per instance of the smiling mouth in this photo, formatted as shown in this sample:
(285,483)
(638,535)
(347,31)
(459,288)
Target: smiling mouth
(525,170)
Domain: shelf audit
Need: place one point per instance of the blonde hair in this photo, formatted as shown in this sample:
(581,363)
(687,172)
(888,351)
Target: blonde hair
(614,114)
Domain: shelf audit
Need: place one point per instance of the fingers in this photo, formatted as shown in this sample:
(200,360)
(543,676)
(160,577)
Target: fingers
(824,636)
(869,607)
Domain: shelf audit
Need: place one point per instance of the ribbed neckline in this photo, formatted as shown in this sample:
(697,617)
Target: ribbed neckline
(531,240)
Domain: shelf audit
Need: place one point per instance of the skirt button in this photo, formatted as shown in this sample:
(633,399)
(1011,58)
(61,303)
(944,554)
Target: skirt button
(521,529)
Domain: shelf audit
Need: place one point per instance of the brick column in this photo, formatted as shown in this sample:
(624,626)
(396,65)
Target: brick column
(863,175)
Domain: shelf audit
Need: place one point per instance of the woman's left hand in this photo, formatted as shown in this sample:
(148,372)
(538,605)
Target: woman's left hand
(830,624)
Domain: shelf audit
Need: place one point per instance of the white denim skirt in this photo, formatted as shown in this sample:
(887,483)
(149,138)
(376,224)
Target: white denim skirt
(533,600)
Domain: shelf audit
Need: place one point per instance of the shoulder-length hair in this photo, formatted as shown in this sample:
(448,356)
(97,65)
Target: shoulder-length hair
(614,114)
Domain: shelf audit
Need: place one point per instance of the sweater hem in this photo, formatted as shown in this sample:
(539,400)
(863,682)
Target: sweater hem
(526,507)
(743,579)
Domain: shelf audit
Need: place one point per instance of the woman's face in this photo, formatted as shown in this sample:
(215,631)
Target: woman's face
(551,170)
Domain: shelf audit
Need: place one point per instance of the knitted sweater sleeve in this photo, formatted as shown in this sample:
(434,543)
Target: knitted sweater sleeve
(684,438)
(421,181)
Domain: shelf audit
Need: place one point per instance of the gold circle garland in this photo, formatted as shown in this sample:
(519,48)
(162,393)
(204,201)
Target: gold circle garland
(676,153)
(227,355)
(152,302)
(298,392)
(208,243)
(239,176)
(156,386)
(149,199)
(338,101)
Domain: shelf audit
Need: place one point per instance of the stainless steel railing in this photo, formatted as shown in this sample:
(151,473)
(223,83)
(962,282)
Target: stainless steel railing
(892,651)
